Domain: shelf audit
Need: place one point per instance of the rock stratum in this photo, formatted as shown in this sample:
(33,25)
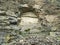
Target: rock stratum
(29,22)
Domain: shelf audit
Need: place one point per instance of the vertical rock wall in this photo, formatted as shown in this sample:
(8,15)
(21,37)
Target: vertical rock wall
(29,22)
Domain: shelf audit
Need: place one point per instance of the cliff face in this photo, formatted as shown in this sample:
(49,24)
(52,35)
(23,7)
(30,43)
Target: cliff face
(29,22)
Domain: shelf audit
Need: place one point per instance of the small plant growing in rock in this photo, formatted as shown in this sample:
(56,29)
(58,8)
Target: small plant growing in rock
(27,30)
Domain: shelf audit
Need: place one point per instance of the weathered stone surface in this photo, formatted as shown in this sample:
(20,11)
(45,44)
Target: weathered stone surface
(29,22)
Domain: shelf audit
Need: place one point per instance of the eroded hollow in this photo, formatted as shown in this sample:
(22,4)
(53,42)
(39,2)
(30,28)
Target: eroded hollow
(28,18)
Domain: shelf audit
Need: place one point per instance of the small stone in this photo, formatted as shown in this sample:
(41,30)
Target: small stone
(10,13)
(2,13)
(13,20)
(15,27)
(36,6)
(23,5)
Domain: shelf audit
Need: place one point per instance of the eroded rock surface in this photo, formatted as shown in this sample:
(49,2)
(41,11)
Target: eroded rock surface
(29,22)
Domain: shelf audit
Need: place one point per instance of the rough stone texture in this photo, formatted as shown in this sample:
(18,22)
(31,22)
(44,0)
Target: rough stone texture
(29,22)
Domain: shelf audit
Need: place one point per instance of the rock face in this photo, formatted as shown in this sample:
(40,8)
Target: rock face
(8,23)
(29,22)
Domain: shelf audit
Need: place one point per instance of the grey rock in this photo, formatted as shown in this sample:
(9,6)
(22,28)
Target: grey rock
(15,27)
(2,12)
(13,20)
(10,13)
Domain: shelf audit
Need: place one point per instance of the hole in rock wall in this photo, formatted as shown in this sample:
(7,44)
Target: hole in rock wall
(28,18)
